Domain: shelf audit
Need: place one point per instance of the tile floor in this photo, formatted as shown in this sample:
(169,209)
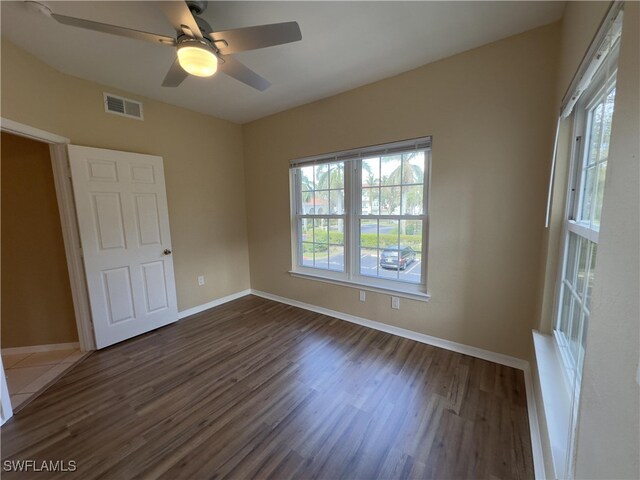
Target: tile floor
(29,373)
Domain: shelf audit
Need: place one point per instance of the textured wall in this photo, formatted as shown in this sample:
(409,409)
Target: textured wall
(490,111)
(202,161)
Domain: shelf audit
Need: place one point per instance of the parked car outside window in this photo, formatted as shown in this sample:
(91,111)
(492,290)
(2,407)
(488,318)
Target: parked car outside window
(391,259)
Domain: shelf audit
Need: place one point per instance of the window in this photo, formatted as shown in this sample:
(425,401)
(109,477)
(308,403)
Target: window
(587,108)
(321,216)
(361,217)
(592,127)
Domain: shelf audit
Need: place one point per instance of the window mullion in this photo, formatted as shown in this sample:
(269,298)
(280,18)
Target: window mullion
(350,175)
(297,192)
(378,243)
(562,272)
(603,102)
(596,162)
(297,207)
(577,179)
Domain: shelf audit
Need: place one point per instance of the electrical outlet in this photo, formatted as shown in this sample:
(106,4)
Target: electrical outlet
(363,295)
(200,280)
(395,303)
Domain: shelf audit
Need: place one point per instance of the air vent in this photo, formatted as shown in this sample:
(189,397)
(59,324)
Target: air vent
(122,106)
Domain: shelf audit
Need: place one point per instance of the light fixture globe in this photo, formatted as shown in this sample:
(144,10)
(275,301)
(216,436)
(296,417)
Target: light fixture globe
(197,58)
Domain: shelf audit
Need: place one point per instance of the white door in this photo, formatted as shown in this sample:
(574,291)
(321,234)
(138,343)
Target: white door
(121,204)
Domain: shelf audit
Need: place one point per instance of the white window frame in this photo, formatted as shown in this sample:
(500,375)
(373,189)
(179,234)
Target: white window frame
(351,276)
(600,85)
(560,381)
(573,224)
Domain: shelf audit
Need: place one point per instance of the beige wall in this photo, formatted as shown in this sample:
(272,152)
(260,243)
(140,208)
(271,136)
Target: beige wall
(202,160)
(609,426)
(37,308)
(490,111)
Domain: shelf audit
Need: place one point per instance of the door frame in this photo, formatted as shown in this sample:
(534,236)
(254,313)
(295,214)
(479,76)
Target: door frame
(68,221)
(6,409)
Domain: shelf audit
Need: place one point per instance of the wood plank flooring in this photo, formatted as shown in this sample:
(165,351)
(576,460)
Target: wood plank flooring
(258,389)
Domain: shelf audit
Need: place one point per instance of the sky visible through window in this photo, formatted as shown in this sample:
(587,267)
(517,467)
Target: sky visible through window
(389,186)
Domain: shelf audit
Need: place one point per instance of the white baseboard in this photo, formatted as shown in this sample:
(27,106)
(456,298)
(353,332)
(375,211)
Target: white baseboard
(538,460)
(534,428)
(403,332)
(206,306)
(40,348)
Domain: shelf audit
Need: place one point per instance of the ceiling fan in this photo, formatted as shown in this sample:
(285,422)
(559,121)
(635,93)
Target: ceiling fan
(200,50)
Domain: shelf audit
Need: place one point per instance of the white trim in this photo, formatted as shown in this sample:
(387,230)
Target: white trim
(68,222)
(206,306)
(499,358)
(403,332)
(556,399)
(396,292)
(583,230)
(6,409)
(609,31)
(547,218)
(40,348)
(534,429)
(72,247)
(23,130)
(534,425)
(392,148)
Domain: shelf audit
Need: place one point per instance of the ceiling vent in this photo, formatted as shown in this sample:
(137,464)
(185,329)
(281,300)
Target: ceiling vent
(122,106)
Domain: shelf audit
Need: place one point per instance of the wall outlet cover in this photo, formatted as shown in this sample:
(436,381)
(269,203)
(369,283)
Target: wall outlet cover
(395,303)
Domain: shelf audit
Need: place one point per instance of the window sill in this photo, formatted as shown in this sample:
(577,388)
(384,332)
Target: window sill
(413,295)
(555,398)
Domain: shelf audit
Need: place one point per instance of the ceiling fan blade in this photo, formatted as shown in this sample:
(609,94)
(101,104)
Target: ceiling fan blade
(175,75)
(113,29)
(180,17)
(239,71)
(252,38)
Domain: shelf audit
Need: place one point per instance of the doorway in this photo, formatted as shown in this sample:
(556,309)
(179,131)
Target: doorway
(122,283)
(39,336)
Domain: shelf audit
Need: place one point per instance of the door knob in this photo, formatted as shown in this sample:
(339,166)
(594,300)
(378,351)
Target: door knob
(167,252)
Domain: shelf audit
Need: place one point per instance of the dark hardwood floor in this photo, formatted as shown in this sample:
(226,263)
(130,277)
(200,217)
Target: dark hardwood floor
(258,389)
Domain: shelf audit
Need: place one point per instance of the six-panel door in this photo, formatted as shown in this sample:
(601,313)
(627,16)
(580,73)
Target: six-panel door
(121,204)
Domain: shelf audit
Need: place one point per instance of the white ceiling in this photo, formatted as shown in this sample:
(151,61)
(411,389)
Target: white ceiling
(344,45)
